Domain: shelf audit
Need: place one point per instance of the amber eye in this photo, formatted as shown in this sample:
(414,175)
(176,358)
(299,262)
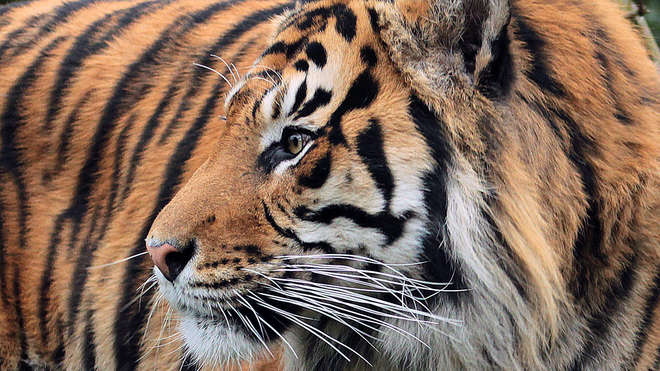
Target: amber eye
(295,142)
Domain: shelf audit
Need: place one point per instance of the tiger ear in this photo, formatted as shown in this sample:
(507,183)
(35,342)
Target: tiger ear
(444,45)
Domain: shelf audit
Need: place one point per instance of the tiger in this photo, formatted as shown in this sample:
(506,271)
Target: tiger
(328,185)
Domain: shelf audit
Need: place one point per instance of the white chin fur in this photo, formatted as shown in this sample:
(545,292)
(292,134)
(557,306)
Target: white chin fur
(212,343)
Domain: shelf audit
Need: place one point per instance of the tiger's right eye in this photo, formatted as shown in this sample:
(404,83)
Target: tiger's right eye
(292,143)
(295,142)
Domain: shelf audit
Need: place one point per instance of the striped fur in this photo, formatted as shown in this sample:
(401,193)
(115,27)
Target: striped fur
(488,170)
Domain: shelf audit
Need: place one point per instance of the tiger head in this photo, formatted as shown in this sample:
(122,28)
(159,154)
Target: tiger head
(381,192)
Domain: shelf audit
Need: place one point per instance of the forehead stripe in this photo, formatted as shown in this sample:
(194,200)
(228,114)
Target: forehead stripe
(300,96)
(289,50)
(361,94)
(321,98)
(345,20)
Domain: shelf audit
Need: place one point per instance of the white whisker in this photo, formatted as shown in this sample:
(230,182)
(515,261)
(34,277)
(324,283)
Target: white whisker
(226,65)
(213,70)
(118,261)
(320,335)
(273,329)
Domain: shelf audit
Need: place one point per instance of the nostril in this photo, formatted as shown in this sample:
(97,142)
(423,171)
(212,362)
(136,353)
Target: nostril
(177,260)
(171,260)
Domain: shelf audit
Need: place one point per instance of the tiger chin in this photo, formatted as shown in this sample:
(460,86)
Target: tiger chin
(386,185)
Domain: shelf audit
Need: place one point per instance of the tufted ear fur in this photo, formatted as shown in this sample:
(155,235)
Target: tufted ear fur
(300,3)
(449,46)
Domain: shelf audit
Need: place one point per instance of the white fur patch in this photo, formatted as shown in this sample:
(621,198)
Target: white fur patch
(215,344)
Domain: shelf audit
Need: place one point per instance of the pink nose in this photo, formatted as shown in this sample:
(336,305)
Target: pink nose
(169,260)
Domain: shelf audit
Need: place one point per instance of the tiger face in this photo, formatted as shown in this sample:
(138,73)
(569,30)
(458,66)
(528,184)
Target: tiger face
(321,179)
(387,191)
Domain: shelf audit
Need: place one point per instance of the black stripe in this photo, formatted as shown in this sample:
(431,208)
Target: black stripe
(371,148)
(286,233)
(587,248)
(129,89)
(319,174)
(66,136)
(16,34)
(88,343)
(80,273)
(148,133)
(18,310)
(540,72)
(4,9)
(441,267)
(642,333)
(300,96)
(302,65)
(81,267)
(619,111)
(345,23)
(130,316)
(388,224)
(12,121)
(368,56)
(59,15)
(496,79)
(47,277)
(320,99)
(373,20)
(317,54)
(618,292)
(509,261)
(89,43)
(290,234)
(361,94)
(290,50)
(3,277)
(228,38)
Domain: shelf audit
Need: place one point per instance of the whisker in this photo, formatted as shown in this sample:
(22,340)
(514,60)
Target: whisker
(218,73)
(360,318)
(249,325)
(321,308)
(226,65)
(236,69)
(118,261)
(313,331)
(279,76)
(273,329)
(247,304)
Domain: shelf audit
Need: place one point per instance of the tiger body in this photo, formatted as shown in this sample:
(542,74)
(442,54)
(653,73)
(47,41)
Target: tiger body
(499,159)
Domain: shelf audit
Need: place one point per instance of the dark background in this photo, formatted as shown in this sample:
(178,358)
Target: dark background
(653,17)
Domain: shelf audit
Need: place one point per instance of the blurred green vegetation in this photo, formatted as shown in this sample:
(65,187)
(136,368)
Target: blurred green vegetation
(653,17)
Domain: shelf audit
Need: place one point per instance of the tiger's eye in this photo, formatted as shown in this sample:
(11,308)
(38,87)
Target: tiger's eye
(295,143)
